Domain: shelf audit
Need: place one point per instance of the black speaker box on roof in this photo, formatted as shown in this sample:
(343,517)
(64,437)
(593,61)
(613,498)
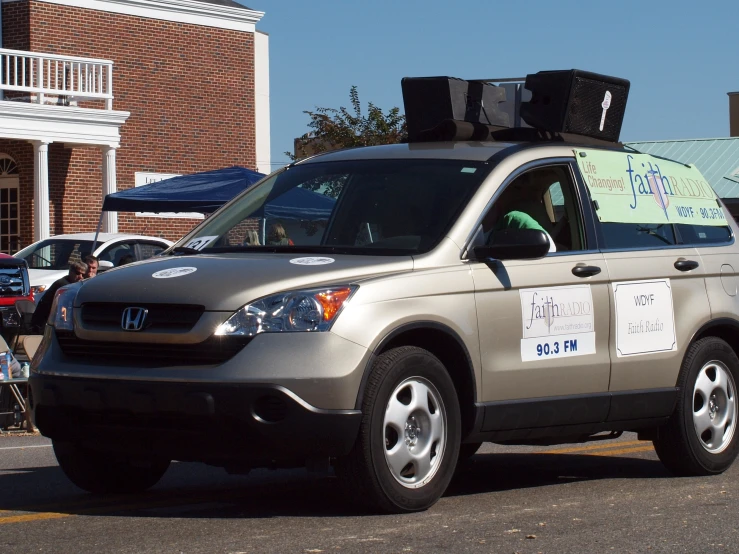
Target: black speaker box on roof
(575,101)
(430,100)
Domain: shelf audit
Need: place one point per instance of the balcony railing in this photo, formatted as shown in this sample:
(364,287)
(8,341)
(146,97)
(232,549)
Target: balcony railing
(65,77)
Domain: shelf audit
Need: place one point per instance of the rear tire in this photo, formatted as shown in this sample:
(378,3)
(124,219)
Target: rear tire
(700,437)
(408,443)
(100,472)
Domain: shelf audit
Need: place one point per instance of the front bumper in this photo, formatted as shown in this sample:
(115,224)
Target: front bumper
(322,369)
(216,423)
(282,398)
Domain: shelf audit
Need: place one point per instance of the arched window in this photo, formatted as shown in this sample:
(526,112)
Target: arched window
(7,166)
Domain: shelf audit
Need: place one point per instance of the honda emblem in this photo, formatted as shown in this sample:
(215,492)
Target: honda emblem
(133,319)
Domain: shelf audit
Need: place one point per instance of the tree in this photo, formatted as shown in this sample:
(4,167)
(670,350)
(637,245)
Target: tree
(332,128)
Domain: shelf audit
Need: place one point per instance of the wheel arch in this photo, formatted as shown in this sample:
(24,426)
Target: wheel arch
(444,343)
(680,444)
(724,328)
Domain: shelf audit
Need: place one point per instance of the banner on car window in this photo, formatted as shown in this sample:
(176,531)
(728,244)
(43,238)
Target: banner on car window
(639,188)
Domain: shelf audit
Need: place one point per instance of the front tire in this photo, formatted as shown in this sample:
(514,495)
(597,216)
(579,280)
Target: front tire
(700,438)
(409,437)
(100,472)
(468,449)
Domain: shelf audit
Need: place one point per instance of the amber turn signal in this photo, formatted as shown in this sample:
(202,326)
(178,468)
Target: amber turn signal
(332,301)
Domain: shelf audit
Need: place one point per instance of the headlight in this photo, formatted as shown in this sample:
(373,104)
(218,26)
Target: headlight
(305,310)
(62,310)
(40,289)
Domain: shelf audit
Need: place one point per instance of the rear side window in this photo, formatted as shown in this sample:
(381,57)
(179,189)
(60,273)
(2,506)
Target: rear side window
(637,235)
(703,234)
(646,235)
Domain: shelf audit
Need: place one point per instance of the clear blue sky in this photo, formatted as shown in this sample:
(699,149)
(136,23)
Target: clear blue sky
(681,57)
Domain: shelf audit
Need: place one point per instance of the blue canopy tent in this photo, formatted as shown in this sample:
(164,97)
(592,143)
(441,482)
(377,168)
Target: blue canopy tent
(207,191)
(200,192)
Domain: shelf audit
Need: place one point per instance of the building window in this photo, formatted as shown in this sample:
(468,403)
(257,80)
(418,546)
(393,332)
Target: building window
(9,222)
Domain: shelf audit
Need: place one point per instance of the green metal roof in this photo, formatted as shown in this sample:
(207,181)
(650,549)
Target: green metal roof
(717,159)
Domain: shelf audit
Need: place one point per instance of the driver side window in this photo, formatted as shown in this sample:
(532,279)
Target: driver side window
(542,198)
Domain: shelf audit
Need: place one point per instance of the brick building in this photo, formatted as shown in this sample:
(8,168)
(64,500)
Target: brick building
(103,95)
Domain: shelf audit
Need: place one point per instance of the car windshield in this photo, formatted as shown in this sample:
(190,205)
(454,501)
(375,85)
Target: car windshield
(387,207)
(55,254)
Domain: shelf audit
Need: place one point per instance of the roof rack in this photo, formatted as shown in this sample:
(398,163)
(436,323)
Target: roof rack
(450,130)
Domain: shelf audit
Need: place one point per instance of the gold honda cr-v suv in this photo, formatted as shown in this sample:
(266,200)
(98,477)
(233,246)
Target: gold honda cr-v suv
(385,310)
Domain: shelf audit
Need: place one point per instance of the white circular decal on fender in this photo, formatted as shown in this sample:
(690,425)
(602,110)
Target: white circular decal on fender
(173,272)
(312,261)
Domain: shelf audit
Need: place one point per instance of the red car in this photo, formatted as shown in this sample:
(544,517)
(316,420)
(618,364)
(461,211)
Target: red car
(14,286)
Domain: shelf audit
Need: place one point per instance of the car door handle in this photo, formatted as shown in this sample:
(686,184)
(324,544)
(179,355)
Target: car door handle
(585,270)
(685,265)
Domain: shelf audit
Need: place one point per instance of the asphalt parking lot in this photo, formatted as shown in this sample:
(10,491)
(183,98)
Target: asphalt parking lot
(610,496)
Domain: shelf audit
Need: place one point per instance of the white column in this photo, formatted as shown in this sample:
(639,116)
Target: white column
(110,219)
(1,41)
(40,190)
(261,102)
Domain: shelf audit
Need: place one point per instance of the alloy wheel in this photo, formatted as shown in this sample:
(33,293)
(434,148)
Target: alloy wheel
(714,406)
(415,429)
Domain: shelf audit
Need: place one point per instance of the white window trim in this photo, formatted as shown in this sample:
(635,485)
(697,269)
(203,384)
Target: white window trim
(179,11)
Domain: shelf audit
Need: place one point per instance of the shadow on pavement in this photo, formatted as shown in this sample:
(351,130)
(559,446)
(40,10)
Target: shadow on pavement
(194,490)
(484,473)
(186,490)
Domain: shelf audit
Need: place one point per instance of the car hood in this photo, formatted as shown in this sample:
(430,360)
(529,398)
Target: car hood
(45,276)
(226,282)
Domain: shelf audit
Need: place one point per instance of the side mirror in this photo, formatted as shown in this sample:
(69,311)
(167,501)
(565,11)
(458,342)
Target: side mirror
(514,244)
(104,265)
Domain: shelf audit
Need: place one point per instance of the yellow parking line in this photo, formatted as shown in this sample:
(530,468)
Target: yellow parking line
(624,451)
(33,517)
(599,446)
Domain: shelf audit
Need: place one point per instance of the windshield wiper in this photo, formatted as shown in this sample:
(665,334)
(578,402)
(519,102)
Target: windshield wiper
(184,250)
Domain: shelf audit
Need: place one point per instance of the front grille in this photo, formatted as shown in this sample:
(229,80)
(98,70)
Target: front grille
(161,317)
(12,282)
(215,350)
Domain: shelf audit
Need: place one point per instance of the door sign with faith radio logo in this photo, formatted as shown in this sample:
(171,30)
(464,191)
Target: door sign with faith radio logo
(558,322)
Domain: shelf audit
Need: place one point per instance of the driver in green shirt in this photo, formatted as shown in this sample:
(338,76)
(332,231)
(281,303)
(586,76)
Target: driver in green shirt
(521,220)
